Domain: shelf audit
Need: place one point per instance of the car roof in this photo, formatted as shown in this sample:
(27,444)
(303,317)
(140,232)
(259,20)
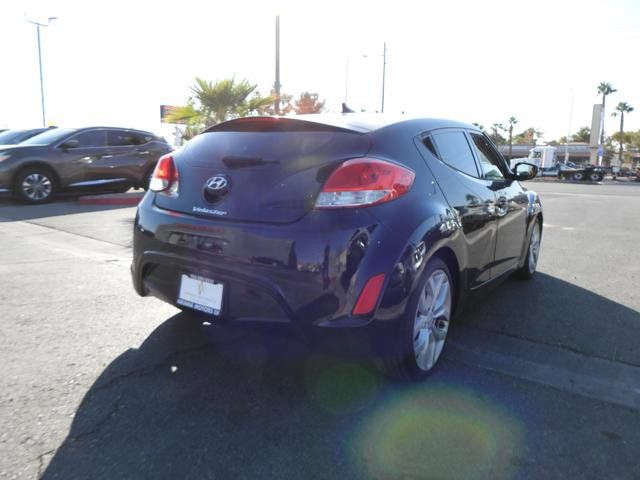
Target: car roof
(357,122)
(98,127)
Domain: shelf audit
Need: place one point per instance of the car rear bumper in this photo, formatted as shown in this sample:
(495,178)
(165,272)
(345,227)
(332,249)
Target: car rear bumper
(285,273)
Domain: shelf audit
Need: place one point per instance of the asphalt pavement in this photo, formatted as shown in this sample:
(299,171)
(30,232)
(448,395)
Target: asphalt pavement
(540,379)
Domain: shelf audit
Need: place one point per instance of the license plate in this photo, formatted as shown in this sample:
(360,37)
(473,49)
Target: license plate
(201,294)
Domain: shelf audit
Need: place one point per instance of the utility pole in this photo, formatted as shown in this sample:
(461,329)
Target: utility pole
(346,82)
(276,86)
(566,143)
(38,25)
(384,72)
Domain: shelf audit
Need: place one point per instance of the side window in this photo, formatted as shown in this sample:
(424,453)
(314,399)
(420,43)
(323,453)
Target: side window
(455,151)
(92,138)
(122,138)
(489,161)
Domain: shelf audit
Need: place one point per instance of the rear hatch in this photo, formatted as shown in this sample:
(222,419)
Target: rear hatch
(274,168)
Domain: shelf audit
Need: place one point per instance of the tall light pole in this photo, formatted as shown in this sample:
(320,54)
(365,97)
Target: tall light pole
(566,143)
(346,76)
(384,72)
(277,84)
(38,25)
(346,82)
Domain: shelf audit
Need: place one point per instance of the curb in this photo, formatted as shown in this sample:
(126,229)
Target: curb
(130,199)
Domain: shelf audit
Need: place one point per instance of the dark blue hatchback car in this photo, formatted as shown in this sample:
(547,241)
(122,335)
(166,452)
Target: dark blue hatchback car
(371,226)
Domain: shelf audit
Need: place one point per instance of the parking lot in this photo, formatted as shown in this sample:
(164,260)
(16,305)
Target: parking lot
(542,380)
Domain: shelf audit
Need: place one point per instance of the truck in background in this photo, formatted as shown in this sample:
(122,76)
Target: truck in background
(549,165)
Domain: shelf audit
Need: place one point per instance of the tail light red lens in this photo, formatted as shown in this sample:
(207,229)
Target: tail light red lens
(365,181)
(165,176)
(369,296)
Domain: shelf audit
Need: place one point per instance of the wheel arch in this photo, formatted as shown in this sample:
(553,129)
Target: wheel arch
(37,164)
(448,256)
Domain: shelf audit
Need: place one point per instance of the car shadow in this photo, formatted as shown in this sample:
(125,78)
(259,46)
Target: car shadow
(552,311)
(13,210)
(200,400)
(204,401)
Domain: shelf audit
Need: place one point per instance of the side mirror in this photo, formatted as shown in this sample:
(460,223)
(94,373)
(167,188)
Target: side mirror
(69,144)
(524,171)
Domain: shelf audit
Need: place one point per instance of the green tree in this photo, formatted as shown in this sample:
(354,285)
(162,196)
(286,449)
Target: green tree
(286,104)
(212,103)
(621,109)
(582,135)
(308,103)
(529,136)
(495,135)
(604,89)
(630,139)
(479,126)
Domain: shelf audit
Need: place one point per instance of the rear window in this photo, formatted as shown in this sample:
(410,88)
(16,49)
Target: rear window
(273,124)
(295,151)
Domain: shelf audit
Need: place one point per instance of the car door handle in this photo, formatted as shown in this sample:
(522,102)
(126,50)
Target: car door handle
(501,206)
(143,152)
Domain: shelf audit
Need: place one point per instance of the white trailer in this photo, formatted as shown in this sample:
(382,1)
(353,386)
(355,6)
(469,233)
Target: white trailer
(548,163)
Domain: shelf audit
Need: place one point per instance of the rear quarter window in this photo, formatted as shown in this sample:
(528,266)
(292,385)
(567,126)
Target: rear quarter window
(454,150)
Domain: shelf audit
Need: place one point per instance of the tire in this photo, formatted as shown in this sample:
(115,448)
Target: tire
(595,176)
(122,188)
(147,178)
(428,298)
(34,185)
(527,270)
(578,176)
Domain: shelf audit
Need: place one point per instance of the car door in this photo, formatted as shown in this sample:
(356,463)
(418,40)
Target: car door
(89,148)
(131,154)
(451,160)
(511,204)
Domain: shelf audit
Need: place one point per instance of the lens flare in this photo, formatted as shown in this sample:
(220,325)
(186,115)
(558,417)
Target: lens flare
(437,431)
(341,387)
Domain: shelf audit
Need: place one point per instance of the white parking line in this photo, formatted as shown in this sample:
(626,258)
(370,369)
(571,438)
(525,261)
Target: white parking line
(549,225)
(604,380)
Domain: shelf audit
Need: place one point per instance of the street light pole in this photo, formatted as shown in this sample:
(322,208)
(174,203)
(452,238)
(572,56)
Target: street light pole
(346,82)
(44,122)
(384,72)
(277,84)
(38,25)
(566,143)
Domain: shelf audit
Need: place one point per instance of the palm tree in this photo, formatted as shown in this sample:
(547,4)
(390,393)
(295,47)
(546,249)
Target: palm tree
(212,103)
(495,136)
(605,88)
(512,122)
(622,108)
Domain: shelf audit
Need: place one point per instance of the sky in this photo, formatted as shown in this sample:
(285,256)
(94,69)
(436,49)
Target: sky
(114,63)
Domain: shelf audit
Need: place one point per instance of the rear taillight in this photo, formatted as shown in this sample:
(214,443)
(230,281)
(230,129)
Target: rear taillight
(165,176)
(364,181)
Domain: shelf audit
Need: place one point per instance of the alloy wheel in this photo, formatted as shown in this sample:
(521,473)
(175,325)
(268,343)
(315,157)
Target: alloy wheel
(432,319)
(534,248)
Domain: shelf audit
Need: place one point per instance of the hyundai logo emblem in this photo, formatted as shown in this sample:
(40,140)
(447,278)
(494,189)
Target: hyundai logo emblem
(217,184)
(215,188)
